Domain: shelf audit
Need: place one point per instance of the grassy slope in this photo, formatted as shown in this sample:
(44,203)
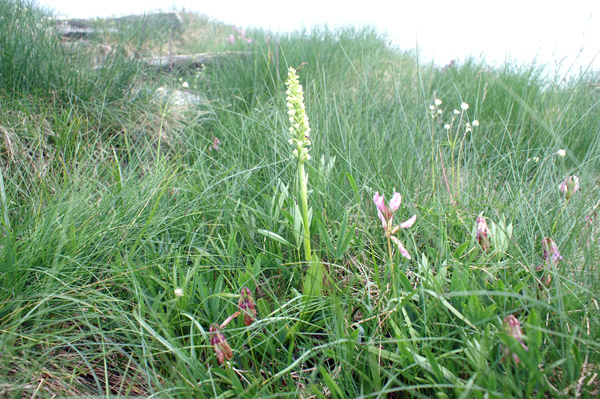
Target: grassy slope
(114,199)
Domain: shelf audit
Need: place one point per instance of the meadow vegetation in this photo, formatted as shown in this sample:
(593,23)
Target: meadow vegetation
(153,247)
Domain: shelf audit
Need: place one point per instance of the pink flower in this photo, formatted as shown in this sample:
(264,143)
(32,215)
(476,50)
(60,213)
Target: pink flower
(219,344)
(550,251)
(247,306)
(395,202)
(401,248)
(231,39)
(381,209)
(513,328)
(386,215)
(483,233)
(545,277)
(569,186)
(551,255)
(215,145)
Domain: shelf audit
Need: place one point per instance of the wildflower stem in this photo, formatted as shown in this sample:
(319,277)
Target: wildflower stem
(390,253)
(304,200)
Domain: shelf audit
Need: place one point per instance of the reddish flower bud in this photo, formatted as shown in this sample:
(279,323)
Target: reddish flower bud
(215,145)
(550,251)
(247,306)
(546,277)
(219,344)
(513,328)
(483,233)
(569,186)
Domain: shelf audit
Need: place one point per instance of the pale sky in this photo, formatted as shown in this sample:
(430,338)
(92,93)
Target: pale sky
(519,30)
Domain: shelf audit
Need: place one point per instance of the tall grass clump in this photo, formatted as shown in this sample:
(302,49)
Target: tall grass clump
(440,239)
(28,44)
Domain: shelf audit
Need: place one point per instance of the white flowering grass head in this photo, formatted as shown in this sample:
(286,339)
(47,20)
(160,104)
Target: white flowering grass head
(434,109)
(299,127)
(461,114)
(561,153)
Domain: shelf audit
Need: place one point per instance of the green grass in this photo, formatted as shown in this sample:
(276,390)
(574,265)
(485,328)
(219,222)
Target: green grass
(112,198)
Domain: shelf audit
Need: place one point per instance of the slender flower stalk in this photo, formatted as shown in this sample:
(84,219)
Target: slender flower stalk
(300,140)
(454,129)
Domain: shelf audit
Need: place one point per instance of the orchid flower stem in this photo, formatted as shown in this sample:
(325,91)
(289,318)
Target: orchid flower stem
(389,242)
(392,274)
(304,199)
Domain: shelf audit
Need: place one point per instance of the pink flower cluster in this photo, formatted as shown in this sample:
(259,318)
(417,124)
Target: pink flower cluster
(247,307)
(241,36)
(386,215)
(215,145)
(569,186)
(513,328)
(483,233)
(550,251)
(551,256)
(219,343)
